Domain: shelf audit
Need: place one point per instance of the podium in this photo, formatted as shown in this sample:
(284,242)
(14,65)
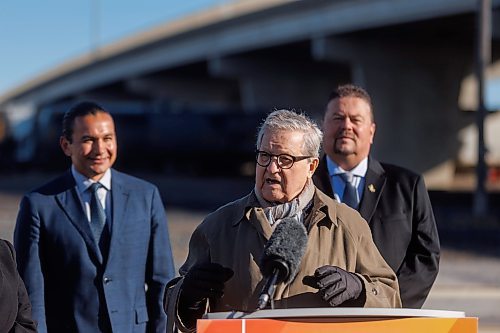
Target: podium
(339,320)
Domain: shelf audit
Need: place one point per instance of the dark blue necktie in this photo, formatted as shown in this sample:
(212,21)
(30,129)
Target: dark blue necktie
(97,214)
(350,196)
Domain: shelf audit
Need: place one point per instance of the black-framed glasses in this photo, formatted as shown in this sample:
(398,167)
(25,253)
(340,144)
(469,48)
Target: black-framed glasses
(285,161)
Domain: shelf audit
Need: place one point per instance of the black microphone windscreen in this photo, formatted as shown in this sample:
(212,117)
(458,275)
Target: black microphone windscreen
(285,249)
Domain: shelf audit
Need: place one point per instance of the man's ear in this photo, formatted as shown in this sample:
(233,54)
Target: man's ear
(373,127)
(313,165)
(64,143)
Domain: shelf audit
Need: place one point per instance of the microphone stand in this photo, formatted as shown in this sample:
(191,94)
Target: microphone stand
(267,292)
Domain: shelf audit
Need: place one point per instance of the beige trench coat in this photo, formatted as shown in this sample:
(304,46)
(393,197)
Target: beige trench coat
(236,234)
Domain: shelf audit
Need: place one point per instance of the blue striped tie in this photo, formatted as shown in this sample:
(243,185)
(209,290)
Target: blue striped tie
(97,214)
(350,196)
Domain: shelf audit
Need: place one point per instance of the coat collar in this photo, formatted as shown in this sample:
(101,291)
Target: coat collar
(248,210)
(324,205)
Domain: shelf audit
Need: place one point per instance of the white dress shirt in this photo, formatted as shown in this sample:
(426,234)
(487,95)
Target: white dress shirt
(83,183)
(338,184)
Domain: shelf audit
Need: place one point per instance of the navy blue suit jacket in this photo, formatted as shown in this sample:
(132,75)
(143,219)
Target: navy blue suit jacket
(71,286)
(396,205)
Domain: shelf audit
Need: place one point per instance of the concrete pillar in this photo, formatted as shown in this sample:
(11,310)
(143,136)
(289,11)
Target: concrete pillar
(415,92)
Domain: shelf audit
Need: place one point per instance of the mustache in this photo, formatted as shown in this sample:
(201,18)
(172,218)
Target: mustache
(345,135)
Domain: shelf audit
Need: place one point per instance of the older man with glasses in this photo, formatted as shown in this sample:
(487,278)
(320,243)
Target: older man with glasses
(340,264)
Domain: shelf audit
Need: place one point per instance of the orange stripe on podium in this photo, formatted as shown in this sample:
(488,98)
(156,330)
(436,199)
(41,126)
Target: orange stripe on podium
(402,325)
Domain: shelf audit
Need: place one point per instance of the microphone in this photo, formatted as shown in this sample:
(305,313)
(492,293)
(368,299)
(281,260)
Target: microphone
(282,256)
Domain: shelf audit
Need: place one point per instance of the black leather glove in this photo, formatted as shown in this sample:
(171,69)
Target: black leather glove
(335,284)
(202,282)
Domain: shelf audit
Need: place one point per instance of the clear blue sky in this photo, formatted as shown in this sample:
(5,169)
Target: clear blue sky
(37,35)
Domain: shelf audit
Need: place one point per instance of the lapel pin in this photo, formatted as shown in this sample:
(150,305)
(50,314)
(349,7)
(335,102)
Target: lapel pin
(371,188)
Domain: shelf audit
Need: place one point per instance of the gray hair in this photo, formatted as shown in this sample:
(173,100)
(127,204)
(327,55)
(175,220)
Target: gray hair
(291,121)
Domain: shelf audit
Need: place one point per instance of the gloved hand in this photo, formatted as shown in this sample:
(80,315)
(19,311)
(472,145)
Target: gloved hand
(203,281)
(335,284)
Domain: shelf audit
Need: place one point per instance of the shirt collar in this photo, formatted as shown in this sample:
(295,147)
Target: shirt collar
(83,182)
(359,170)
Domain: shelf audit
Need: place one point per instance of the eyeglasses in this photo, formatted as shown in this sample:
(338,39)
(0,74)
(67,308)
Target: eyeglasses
(285,161)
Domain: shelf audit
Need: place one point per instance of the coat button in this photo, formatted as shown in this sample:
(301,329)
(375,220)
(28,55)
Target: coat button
(107,280)
(374,291)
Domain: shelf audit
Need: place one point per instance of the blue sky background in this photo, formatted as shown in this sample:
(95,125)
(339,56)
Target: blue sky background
(36,36)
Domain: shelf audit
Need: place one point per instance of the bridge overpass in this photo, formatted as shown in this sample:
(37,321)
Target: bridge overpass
(414,57)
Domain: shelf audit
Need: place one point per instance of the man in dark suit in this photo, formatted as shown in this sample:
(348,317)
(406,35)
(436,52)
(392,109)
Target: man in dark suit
(393,200)
(93,245)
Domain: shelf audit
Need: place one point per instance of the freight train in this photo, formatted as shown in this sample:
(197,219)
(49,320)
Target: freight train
(150,138)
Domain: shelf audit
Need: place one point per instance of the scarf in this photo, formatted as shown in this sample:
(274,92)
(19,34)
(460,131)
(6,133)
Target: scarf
(275,212)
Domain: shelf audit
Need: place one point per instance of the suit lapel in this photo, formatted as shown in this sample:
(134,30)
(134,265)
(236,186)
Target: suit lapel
(119,196)
(70,203)
(374,185)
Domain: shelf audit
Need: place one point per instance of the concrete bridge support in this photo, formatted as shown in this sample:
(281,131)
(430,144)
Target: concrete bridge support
(415,94)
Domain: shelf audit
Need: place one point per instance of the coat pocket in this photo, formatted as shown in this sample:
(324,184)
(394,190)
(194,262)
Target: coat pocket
(141,315)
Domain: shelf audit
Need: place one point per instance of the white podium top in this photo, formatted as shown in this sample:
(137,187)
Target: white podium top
(336,312)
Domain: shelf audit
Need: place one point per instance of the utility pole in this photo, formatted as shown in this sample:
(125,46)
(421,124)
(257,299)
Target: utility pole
(95,26)
(483,58)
